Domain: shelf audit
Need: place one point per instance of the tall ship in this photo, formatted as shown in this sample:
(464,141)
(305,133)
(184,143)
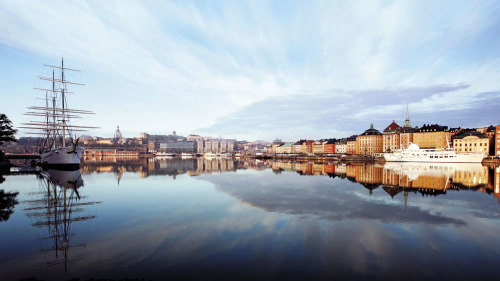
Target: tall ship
(416,154)
(59,146)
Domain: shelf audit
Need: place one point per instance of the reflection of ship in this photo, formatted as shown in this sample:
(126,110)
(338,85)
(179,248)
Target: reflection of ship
(414,170)
(59,207)
(55,126)
(415,154)
(164,154)
(432,176)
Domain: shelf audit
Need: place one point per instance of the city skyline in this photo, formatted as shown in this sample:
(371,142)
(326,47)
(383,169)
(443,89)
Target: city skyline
(260,70)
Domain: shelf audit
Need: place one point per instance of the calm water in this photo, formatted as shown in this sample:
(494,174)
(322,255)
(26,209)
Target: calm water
(226,219)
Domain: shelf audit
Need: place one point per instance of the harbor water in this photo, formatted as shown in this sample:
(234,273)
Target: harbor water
(226,219)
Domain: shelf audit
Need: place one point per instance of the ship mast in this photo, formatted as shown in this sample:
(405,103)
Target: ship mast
(53,112)
(56,116)
(63,104)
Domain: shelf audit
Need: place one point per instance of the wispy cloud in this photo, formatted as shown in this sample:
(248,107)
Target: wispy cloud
(191,64)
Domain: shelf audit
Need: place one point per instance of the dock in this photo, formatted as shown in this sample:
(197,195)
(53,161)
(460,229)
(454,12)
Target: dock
(21,156)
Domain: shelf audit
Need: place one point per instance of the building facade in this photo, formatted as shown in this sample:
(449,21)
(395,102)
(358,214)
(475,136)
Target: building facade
(432,136)
(391,137)
(471,142)
(370,142)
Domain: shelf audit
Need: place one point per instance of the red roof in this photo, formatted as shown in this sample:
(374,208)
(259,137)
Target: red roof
(393,127)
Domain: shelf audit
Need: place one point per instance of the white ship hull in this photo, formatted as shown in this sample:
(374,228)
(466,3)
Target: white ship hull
(415,154)
(62,156)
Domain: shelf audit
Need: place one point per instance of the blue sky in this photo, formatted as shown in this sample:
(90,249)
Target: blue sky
(258,69)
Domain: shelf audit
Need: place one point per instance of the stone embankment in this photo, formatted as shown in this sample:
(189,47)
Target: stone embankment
(491,161)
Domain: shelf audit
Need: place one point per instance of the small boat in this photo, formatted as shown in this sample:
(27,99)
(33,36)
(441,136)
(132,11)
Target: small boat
(186,155)
(416,154)
(210,155)
(57,148)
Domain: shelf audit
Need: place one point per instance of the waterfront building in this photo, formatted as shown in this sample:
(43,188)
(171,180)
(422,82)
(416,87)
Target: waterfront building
(391,137)
(177,147)
(317,147)
(497,141)
(306,147)
(151,146)
(341,146)
(329,146)
(406,137)
(297,147)
(285,148)
(432,136)
(490,133)
(198,140)
(472,141)
(276,143)
(351,146)
(370,142)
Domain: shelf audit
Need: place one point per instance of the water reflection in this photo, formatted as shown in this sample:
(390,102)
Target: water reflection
(54,210)
(251,219)
(426,179)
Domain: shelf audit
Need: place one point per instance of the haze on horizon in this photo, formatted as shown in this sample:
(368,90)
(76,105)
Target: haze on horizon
(258,69)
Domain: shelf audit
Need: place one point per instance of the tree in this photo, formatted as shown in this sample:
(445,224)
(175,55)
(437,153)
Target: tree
(6,130)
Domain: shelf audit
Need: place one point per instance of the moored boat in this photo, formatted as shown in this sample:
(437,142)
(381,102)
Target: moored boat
(57,148)
(416,154)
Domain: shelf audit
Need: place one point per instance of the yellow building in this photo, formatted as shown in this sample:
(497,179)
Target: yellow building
(370,142)
(351,147)
(471,142)
(432,136)
(317,147)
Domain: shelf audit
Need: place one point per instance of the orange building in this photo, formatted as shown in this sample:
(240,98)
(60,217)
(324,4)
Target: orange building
(329,146)
(370,142)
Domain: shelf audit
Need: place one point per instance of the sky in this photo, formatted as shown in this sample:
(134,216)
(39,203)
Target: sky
(256,69)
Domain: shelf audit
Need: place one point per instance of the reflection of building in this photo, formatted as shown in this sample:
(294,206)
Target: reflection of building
(369,174)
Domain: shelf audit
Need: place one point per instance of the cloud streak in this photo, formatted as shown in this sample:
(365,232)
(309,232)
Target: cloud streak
(191,65)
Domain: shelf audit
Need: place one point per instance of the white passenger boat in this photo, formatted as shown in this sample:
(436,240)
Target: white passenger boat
(416,154)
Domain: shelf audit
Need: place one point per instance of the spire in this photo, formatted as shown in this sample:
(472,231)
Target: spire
(407,121)
(371,125)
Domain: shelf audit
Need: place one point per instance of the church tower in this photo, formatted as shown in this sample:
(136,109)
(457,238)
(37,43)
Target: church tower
(407,121)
